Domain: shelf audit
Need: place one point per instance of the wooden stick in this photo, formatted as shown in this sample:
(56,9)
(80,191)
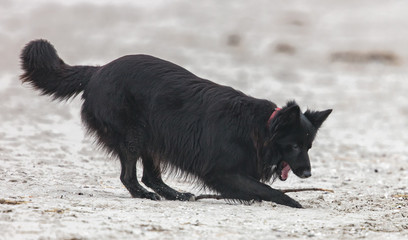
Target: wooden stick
(208,196)
(306,189)
(218,197)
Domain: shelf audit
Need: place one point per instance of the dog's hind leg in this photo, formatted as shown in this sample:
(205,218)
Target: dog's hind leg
(127,148)
(240,187)
(152,179)
(128,175)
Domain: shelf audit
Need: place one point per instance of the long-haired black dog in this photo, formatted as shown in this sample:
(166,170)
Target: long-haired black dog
(142,107)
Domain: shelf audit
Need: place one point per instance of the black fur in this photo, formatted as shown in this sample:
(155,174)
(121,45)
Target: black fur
(142,107)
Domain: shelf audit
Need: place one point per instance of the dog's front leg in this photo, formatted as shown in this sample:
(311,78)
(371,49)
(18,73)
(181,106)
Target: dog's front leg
(236,186)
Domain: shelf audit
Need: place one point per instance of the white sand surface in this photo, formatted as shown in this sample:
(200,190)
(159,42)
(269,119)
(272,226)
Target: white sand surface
(351,56)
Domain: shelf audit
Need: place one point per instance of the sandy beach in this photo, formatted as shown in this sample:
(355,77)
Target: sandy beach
(350,56)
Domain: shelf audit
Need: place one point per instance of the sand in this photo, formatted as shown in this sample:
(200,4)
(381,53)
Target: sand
(347,55)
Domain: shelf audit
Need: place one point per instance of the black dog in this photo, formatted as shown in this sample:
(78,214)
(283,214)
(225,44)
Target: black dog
(142,107)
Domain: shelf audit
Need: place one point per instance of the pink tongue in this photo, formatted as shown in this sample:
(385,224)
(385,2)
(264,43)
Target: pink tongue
(285,171)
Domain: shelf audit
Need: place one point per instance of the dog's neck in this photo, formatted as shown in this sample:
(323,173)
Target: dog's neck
(264,171)
(274,114)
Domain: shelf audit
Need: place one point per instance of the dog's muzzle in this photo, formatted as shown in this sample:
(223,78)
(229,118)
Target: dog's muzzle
(305,174)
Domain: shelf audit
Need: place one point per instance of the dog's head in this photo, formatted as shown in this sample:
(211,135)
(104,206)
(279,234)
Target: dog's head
(291,134)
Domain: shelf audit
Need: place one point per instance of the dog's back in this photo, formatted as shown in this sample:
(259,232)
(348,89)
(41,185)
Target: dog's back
(181,119)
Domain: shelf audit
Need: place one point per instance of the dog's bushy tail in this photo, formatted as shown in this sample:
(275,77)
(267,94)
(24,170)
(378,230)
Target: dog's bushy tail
(47,72)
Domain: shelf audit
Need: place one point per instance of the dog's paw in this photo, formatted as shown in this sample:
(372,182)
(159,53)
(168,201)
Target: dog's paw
(185,197)
(288,201)
(294,204)
(151,196)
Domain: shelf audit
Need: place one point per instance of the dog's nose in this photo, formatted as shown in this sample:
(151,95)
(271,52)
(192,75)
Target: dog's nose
(306,174)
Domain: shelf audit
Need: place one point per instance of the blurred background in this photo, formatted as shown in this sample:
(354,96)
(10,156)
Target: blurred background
(347,55)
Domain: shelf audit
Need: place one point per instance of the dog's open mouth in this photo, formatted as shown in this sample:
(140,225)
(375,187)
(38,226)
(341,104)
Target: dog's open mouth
(284,170)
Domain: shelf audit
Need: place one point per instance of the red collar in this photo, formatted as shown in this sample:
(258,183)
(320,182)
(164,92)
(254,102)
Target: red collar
(273,114)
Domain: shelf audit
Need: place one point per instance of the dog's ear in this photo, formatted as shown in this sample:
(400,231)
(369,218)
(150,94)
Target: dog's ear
(317,117)
(290,115)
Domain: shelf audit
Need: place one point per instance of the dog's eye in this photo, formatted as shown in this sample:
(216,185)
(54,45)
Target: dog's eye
(295,147)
